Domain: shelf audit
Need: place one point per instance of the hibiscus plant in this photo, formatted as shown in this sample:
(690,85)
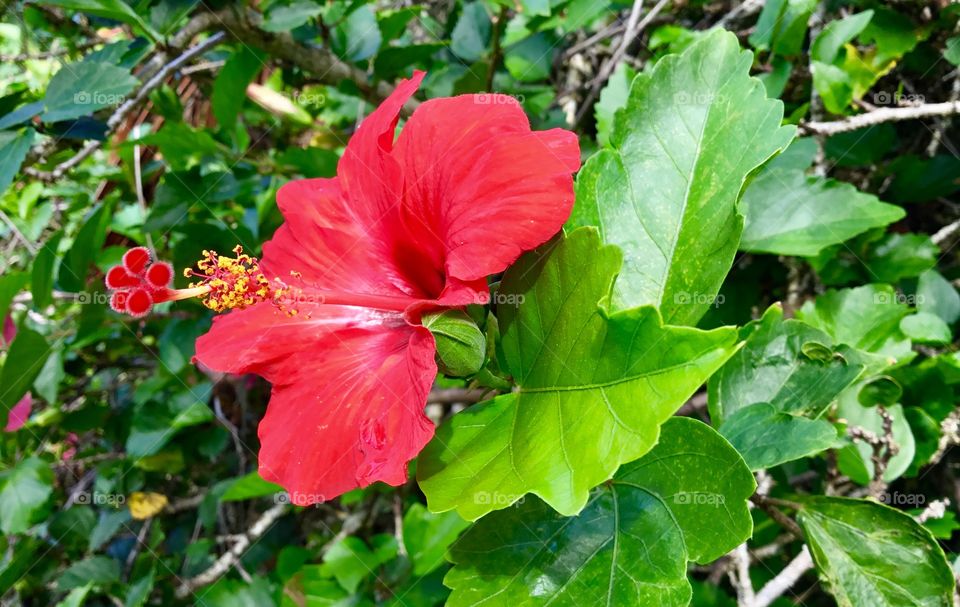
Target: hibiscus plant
(479,303)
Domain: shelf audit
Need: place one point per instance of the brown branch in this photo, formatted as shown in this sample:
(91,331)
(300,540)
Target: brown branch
(323,64)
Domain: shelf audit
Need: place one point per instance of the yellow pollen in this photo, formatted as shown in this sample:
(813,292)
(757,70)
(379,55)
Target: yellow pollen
(235,282)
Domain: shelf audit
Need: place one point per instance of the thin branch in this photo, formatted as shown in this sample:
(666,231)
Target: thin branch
(634,29)
(327,67)
(895,114)
(768,505)
(125,108)
(740,575)
(232,556)
(785,580)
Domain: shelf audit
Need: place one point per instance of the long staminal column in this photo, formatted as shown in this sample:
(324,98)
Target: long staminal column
(224,283)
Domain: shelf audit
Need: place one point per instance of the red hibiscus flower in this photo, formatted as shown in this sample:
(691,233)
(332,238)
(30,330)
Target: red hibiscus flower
(330,315)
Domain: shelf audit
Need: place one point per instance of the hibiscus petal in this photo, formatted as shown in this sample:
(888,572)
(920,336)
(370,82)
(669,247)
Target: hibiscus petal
(366,171)
(479,185)
(323,239)
(19,414)
(349,387)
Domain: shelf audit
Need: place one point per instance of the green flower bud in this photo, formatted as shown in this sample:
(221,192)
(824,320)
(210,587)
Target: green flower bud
(461,346)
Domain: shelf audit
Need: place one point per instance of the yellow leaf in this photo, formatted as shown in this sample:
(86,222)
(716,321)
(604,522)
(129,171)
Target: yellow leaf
(144,505)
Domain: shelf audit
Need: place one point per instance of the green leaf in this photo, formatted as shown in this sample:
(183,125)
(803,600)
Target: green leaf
(44,264)
(866,318)
(782,26)
(951,51)
(139,592)
(285,18)
(926,328)
(776,366)
(314,586)
(76,597)
(666,191)
(837,33)
(359,35)
(870,554)
(582,372)
(23,364)
(154,425)
(72,275)
(229,89)
(80,89)
(248,487)
(111,9)
(898,256)
(834,86)
(471,34)
(25,489)
(531,59)
(15,145)
(427,536)
(10,284)
(766,436)
(96,570)
(613,97)
(935,295)
(683,501)
(787,212)
(351,561)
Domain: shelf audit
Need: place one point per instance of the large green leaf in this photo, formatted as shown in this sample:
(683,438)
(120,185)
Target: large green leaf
(79,89)
(766,436)
(686,500)
(594,387)
(870,554)
(787,212)
(786,363)
(24,489)
(666,190)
